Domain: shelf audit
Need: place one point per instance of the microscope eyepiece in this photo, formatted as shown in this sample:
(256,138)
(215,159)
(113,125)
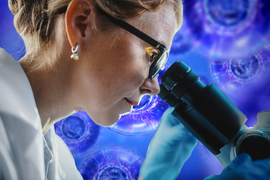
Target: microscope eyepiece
(204,110)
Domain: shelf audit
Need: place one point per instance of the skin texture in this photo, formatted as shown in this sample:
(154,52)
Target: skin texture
(113,65)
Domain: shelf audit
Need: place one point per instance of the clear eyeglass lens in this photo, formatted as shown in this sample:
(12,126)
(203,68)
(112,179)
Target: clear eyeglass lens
(161,63)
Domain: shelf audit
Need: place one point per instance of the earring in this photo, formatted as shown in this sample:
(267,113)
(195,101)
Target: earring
(75,55)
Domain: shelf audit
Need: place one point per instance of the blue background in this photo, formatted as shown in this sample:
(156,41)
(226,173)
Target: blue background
(224,42)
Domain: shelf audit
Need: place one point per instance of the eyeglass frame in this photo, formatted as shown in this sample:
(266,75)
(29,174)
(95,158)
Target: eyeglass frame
(161,48)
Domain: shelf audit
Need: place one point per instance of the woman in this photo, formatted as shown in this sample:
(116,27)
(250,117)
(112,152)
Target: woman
(107,74)
(80,57)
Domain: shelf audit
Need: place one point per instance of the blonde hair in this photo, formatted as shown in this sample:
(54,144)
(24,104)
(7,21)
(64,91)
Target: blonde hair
(34,20)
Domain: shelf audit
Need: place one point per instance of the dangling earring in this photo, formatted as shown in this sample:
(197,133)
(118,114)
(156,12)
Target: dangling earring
(75,55)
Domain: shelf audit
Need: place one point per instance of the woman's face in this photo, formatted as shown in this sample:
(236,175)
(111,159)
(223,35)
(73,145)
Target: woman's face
(111,75)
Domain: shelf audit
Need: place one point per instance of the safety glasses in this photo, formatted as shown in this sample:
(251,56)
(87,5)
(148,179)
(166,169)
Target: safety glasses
(161,58)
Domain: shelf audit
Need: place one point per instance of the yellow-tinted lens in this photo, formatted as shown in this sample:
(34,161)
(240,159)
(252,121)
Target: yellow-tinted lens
(152,52)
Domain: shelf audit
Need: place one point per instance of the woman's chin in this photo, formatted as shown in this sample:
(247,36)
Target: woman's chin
(107,122)
(109,119)
(125,113)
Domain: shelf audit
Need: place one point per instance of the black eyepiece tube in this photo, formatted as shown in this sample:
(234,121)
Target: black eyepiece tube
(204,110)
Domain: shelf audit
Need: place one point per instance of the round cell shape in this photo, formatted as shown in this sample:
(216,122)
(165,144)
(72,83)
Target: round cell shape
(145,101)
(226,29)
(245,81)
(245,68)
(111,164)
(233,74)
(143,118)
(183,40)
(227,13)
(79,132)
(113,173)
(73,127)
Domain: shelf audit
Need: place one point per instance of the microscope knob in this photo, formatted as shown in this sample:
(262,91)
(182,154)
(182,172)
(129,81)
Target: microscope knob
(263,122)
(263,117)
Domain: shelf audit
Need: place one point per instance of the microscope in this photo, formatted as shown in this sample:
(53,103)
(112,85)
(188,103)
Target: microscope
(212,118)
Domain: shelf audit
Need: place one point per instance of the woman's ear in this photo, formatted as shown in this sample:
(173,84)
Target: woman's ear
(79,19)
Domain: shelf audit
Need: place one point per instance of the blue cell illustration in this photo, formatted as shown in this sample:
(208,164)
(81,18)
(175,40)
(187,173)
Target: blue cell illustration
(233,73)
(113,172)
(145,102)
(79,132)
(246,81)
(245,68)
(143,118)
(73,127)
(111,164)
(180,43)
(227,13)
(183,40)
(242,76)
(226,29)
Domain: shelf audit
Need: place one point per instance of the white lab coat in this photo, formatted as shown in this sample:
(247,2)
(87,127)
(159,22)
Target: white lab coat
(24,152)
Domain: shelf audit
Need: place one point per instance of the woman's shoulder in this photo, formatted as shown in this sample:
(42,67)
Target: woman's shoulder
(6,59)
(16,95)
(9,67)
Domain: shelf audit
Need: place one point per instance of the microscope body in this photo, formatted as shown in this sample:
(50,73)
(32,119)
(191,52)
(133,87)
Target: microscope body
(254,141)
(212,118)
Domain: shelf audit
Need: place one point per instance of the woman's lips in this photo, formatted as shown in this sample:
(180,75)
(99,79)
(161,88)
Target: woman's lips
(129,103)
(132,102)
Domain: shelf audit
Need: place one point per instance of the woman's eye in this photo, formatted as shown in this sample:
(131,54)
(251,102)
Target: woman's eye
(152,55)
(152,52)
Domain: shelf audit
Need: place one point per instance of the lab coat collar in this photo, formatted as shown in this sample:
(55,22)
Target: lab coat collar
(21,119)
(48,151)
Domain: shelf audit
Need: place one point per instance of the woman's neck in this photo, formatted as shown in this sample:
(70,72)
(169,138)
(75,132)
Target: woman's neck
(51,88)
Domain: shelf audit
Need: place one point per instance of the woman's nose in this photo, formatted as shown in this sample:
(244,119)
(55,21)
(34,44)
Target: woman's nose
(150,86)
